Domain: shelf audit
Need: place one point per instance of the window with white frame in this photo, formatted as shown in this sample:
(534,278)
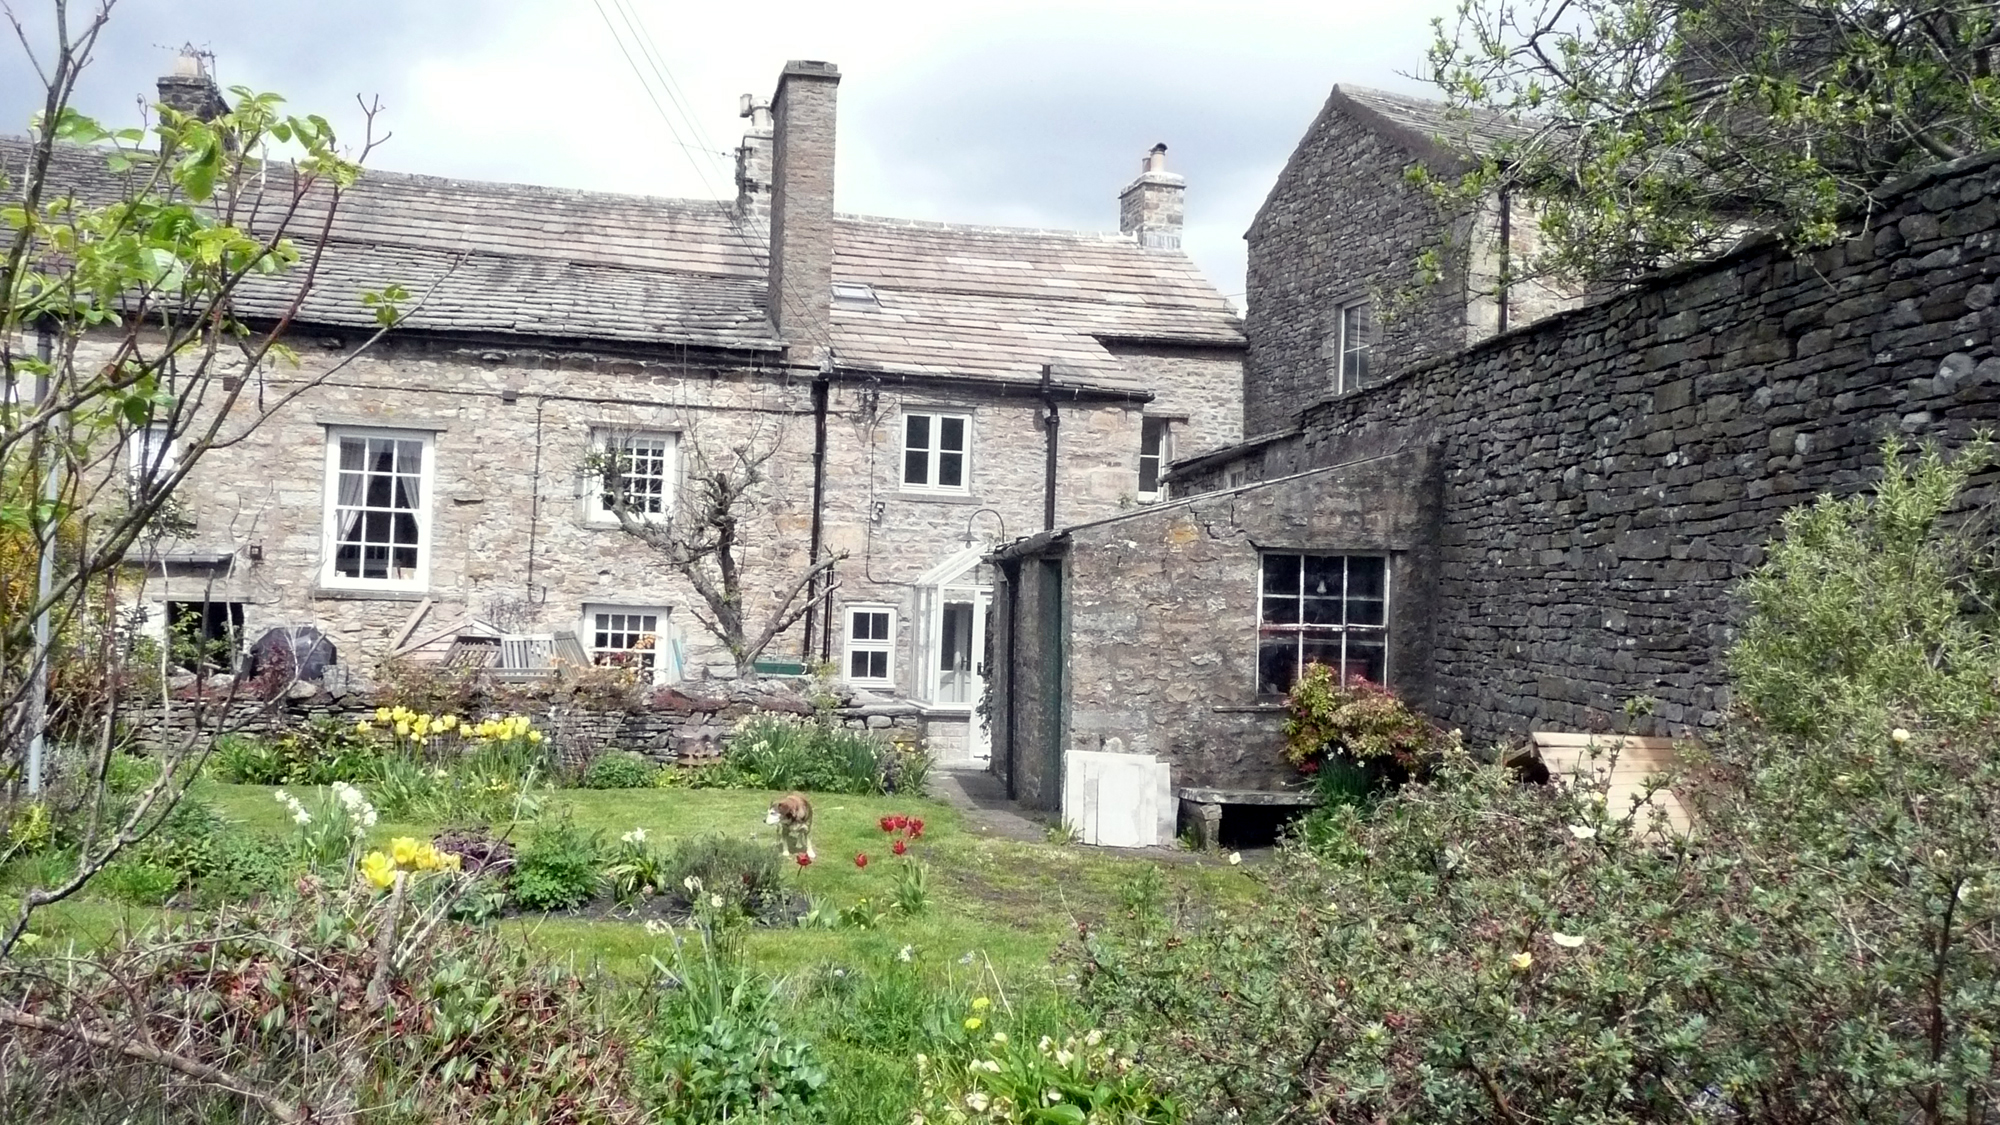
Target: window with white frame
(934,451)
(641,467)
(378,509)
(1154,453)
(1353,341)
(1322,609)
(626,636)
(154,458)
(870,645)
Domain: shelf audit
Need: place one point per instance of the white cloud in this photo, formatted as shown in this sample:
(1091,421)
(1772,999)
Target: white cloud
(1032,113)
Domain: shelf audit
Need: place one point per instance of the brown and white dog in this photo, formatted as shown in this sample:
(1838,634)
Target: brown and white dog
(793,815)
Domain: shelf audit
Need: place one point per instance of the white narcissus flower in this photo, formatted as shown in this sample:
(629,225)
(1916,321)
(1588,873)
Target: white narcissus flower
(1235,858)
(904,954)
(302,816)
(1899,736)
(1582,831)
(1567,941)
(976,1101)
(1523,960)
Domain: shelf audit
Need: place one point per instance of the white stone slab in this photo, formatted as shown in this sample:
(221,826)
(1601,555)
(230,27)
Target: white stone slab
(1118,800)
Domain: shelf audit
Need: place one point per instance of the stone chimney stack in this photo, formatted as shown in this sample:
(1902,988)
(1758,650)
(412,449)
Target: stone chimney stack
(801,289)
(753,165)
(191,89)
(1153,205)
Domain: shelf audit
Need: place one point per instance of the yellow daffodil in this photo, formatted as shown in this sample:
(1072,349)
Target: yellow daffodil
(405,851)
(402,728)
(362,727)
(535,736)
(1523,960)
(378,869)
(381,714)
(981,1004)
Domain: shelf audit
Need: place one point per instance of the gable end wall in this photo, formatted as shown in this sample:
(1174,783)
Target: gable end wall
(1341,222)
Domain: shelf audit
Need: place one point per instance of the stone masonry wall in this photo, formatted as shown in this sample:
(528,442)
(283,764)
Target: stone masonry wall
(1340,225)
(510,538)
(1162,610)
(670,727)
(1610,475)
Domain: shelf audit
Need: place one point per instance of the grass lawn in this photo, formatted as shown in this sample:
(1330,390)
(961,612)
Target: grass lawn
(998,910)
(1003,900)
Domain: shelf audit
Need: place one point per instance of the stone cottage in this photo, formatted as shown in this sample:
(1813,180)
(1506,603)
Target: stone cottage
(1335,304)
(922,390)
(1521,534)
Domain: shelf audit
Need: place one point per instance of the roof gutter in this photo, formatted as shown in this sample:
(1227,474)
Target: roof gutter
(1043,388)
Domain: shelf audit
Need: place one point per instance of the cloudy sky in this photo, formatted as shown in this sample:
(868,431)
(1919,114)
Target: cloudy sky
(1024,113)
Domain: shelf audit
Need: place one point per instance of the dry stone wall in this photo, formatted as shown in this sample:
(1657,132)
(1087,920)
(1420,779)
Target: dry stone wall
(1610,475)
(668,726)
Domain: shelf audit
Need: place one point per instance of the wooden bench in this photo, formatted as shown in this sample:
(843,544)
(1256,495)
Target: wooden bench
(1201,807)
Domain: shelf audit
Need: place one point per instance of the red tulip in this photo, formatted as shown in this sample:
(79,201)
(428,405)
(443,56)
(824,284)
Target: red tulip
(916,826)
(899,847)
(860,859)
(805,860)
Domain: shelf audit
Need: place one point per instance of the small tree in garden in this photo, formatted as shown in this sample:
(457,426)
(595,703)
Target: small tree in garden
(1826,948)
(125,300)
(701,540)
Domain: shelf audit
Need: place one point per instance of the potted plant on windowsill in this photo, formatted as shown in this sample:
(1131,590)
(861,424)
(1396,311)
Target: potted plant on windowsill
(1353,740)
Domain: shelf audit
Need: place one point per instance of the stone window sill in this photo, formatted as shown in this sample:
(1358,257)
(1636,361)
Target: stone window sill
(1248,708)
(938,497)
(343,593)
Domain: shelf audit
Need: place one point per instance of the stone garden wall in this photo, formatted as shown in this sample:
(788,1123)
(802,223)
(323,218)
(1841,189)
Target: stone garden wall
(667,725)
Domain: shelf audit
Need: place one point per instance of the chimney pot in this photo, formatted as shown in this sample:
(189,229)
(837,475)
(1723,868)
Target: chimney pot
(1151,208)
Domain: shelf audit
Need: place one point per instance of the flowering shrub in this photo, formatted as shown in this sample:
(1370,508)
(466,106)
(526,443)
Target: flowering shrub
(1080,1079)
(1360,720)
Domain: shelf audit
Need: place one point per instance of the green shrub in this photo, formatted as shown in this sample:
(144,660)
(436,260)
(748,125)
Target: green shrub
(747,874)
(716,1053)
(1861,608)
(558,869)
(325,751)
(247,759)
(787,752)
(618,769)
(1473,949)
(138,882)
(320,753)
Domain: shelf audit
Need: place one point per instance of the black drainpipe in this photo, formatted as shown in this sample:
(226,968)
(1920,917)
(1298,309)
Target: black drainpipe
(1051,422)
(819,392)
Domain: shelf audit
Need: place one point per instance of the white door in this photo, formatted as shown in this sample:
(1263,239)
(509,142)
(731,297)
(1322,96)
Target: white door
(961,669)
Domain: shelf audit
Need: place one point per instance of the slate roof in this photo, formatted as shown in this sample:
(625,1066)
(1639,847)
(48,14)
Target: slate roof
(1437,124)
(548,262)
